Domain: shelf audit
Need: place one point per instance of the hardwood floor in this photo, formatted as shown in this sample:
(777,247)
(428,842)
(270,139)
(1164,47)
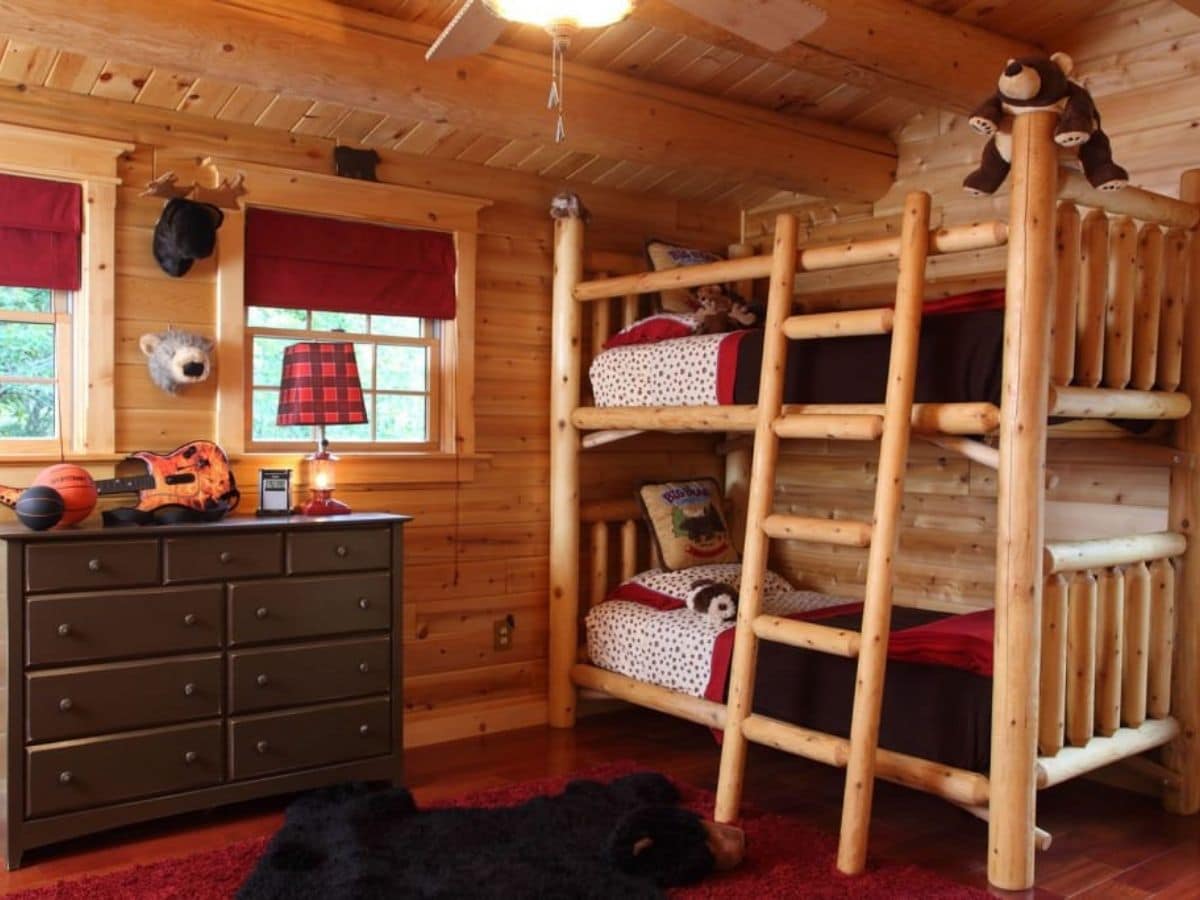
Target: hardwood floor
(1107,842)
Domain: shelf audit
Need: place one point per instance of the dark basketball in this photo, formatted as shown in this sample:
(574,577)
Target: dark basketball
(40,507)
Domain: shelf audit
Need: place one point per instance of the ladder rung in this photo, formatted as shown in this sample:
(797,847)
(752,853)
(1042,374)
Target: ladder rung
(814,745)
(839,324)
(808,635)
(846,532)
(833,427)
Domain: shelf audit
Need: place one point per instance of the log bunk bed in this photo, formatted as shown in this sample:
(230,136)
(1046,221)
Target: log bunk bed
(1096,648)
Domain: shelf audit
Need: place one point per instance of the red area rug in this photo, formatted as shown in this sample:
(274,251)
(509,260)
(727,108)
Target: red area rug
(785,858)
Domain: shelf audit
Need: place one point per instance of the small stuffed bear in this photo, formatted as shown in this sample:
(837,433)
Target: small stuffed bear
(719,311)
(176,358)
(717,601)
(1034,83)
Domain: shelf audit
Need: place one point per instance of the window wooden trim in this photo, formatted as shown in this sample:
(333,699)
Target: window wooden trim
(384,204)
(92,164)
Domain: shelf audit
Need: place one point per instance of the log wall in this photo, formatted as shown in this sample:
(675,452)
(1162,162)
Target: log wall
(478,552)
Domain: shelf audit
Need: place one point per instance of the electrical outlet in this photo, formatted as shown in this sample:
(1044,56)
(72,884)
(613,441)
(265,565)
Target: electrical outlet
(502,630)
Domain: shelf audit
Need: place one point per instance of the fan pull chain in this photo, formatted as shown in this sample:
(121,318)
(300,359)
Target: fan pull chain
(558,85)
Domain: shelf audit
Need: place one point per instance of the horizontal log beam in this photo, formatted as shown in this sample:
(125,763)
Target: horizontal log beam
(843,254)
(651,696)
(322,51)
(870,44)
(927,418)
(1131,201)
(1077,556)
(1111,403)
(1071,762)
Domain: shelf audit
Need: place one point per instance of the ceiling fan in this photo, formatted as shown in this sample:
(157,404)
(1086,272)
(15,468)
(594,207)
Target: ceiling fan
(771,24)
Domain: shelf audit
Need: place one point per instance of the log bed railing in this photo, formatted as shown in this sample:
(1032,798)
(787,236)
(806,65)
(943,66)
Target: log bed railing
(1097,653)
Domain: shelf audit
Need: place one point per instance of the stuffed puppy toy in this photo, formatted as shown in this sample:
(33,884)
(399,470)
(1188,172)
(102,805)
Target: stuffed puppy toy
(176,358)
(713,599)
(1033,83)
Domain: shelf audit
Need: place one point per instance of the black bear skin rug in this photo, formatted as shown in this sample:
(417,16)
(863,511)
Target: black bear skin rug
(627,839)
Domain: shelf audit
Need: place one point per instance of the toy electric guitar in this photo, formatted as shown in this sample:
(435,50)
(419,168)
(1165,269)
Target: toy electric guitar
(196,477)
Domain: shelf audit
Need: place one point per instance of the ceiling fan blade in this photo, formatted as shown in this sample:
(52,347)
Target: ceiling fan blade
(772,24)
(472,31)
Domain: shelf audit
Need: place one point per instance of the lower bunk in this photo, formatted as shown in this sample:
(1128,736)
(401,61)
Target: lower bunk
(646,646)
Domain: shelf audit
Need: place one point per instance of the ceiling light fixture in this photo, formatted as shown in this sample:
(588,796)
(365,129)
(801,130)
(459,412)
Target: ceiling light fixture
(562,19)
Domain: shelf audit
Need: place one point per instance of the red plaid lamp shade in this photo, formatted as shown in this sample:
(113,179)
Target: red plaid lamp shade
(320,386)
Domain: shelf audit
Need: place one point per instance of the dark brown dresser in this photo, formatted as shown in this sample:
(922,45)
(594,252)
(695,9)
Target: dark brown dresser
(155,671)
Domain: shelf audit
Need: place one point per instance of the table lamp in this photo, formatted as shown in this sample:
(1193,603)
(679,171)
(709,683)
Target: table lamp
(320,386)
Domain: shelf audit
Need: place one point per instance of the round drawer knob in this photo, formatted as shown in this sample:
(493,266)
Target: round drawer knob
(93,565)
(364,730)
(189,619)
(261,612)
(64,629)
(342,550)
(364,667)
(65,704)
(189,689)
(262,746)
(364,603)
(189,757)
(262,680)
(226,556)
(65,777)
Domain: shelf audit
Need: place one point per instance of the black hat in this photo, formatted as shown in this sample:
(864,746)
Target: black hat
(186,231)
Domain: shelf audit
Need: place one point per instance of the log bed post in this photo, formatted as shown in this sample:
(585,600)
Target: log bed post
(564,470)
(1183,754)
(1020,525)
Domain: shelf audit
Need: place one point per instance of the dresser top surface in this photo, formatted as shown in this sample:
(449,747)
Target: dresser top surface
(17,532)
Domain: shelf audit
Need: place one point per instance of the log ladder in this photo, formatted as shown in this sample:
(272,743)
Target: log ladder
(892,429)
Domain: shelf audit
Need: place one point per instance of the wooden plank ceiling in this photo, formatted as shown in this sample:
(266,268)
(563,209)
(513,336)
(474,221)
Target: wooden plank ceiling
(636,47)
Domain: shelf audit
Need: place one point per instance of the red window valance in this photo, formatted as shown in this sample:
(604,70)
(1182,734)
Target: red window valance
(40,224)
(307,262)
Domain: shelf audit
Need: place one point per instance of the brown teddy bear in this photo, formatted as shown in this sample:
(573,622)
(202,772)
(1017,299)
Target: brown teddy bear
(1033,83)
(719,311)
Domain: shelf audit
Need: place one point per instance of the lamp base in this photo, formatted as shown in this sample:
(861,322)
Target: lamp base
(324,506)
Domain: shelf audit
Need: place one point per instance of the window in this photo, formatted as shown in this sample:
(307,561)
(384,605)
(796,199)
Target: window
(398,359)
(58,199)
(35,364)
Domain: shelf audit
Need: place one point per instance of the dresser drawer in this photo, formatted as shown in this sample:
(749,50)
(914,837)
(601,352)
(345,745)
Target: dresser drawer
(298,739)
(310,673)
(66,628)
(99,771)
(223,556)
(338,550)
(90,700)
(70,566)
(308,607)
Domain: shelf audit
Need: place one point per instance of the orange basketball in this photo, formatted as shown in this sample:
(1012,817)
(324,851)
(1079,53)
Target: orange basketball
(75,486)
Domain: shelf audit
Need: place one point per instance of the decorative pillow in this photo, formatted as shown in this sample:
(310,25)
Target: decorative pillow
(687,524)
(652,329)
(664,256)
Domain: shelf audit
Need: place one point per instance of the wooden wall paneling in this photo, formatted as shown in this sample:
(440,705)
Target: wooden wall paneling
(1066,293)
(477,552)
(1093,300)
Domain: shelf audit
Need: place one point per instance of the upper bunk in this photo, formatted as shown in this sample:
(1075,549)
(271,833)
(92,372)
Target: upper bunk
(1120,287)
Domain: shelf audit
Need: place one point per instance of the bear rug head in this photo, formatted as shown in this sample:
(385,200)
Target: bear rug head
(1030,84)
(626,839)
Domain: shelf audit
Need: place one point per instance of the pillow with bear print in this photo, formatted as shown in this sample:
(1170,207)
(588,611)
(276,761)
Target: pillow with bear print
(687,524)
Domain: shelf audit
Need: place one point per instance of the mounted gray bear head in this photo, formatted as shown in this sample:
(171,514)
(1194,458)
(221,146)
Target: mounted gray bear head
(176,358)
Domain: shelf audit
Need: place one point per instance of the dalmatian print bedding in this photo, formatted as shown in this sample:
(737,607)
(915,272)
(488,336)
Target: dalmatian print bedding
(646,632)
(686,371)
